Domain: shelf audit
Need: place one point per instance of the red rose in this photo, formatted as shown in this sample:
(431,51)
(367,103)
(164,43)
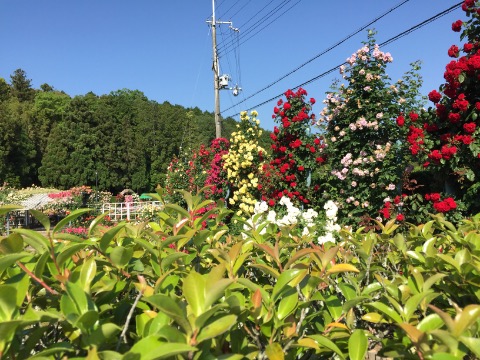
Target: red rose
(271,202)
(467,47)
(276,110)
(287,106)
(301,168)
(413,116)
(469,127)
(400,121)
(400,217)
(453,51)
(312,101)
(434,96)
(457,25)
(454,117)
(317,141)
(320,160)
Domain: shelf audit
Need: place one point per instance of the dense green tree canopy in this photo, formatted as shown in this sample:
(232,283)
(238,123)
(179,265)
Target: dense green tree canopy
(119,140)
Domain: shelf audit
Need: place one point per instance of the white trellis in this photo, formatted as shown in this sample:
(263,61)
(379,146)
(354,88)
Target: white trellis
(127,210)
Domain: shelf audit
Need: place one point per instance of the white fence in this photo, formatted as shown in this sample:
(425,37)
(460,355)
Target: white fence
(127,211)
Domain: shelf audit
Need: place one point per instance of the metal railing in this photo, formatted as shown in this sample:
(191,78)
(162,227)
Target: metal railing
(127,211)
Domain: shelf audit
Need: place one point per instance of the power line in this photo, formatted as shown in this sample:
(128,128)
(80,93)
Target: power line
(228,47)
(395,38)
(324,51)
(253,17)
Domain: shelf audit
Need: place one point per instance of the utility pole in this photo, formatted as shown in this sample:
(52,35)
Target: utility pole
(216,72)
(216,75)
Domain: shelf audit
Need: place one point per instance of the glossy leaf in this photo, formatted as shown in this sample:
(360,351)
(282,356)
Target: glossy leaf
(357,345)
(324,342)
(168,306)
(287,305)
(150,348)
(338,268)
(70,218)
(11,244)
(121,256)
(194,292)
(216,328)
(274,351)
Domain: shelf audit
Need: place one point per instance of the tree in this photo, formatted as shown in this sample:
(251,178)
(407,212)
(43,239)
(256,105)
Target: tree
(21,86)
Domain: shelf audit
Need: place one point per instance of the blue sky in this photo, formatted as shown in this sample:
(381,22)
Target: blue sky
(164,48)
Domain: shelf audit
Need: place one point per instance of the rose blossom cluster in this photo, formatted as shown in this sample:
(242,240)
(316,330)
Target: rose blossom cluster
(442,206)
(295,151)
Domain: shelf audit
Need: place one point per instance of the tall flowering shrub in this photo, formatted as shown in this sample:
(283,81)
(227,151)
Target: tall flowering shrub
(447,141)
(364,155)
(195,170)
(296,152)
(243,165)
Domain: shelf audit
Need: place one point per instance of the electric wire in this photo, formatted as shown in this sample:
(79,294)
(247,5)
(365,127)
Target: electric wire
(251,18)
(325,51)
(226,12)
(238,11)
(228,47)
(396,37)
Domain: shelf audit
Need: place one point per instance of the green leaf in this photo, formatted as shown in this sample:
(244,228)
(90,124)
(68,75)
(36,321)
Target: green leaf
(357,345)
(33,238)
(109,236)
(430,322)
(338,268)
(465,319)
(58,348)
(7,208)
(178,209)
(8,260)
(87,273)
(287,305)
(386,310)
(11,244)
(121,256)
(7,331)
(215,290)
(42,218)
(171,258)
(274,351)
(68,252)
(70,218)
(150,348)
(444,356)
(8,302)
(285,278)
(168,306)
(216,328)
(267,270)
(374,318)
(95,223)
(86,321)
(194,292)
(78,296)
(472,343)
(327,343)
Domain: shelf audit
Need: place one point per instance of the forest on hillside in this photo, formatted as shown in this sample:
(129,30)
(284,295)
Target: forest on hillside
(116,141)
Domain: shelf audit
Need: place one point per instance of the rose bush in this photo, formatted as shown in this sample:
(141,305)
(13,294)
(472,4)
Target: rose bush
(363,122)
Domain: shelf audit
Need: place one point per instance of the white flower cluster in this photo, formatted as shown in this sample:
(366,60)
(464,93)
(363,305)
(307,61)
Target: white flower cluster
(331,226)
(293,216)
